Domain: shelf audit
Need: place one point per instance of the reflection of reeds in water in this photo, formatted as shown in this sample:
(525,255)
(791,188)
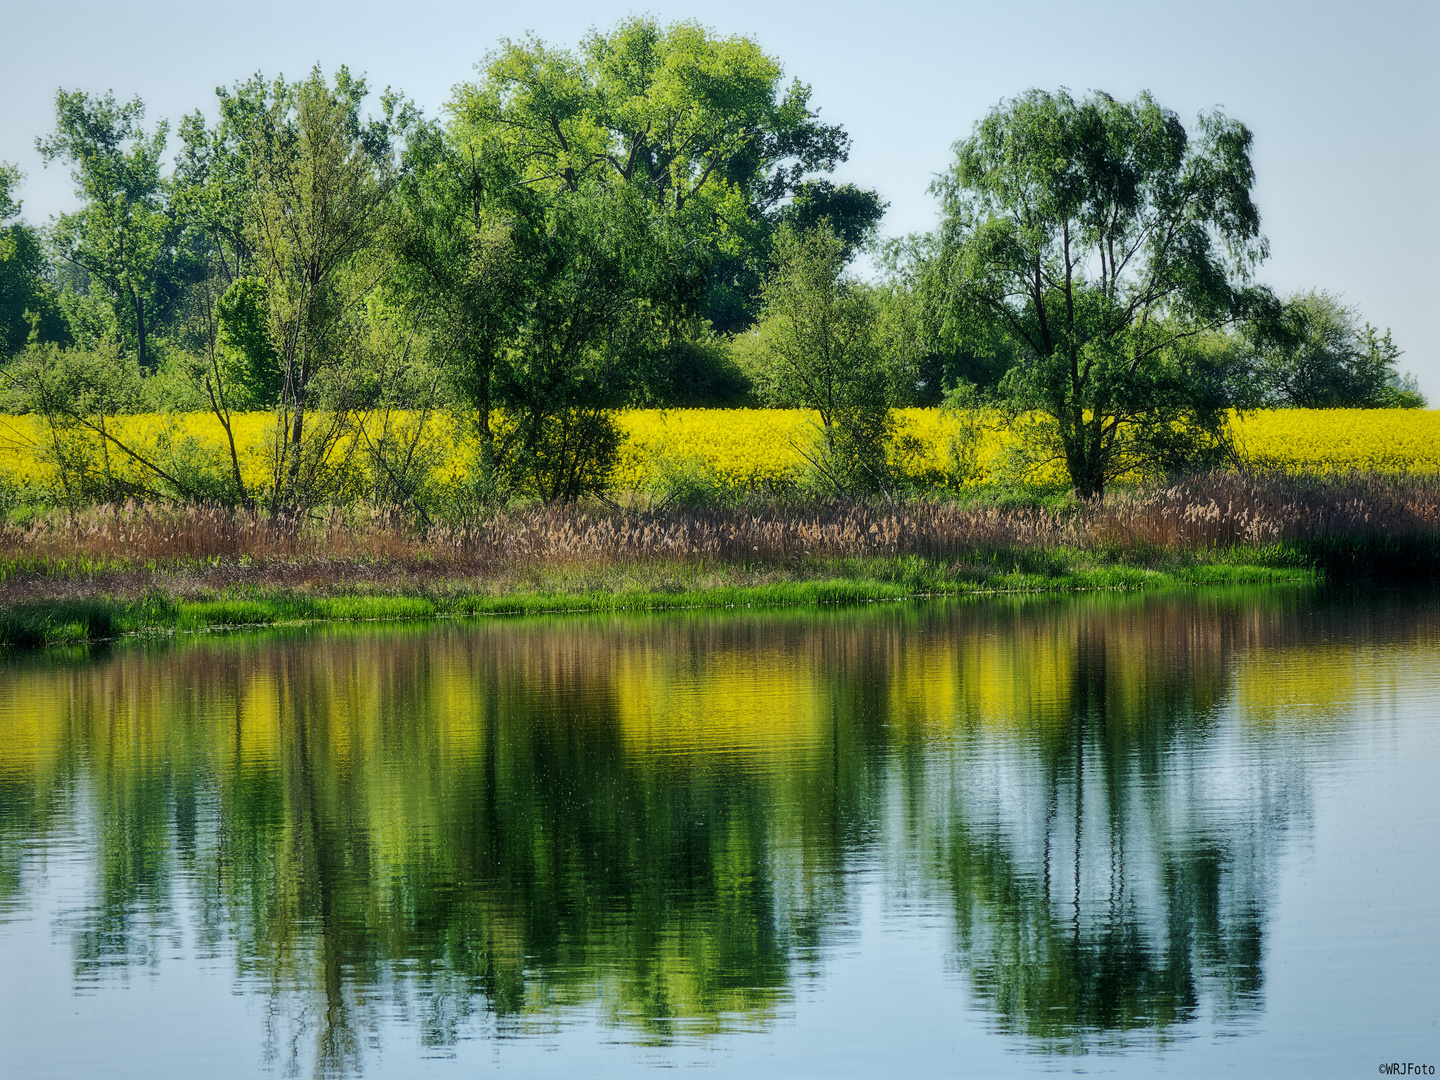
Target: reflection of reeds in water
(1209,511)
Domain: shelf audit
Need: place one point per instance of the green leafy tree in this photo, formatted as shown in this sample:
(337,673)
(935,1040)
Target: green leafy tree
(1312,352)
(320,178)
(611,277)
(1099,239)
(544,301)
(545,307)
(818,346)
(465,233)
(698,124)
(28,304)
(233,361)
(123,237)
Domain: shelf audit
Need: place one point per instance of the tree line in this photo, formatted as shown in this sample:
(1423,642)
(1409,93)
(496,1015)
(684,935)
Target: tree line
(647,219)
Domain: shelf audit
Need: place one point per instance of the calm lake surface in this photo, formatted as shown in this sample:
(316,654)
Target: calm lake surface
(1186,834)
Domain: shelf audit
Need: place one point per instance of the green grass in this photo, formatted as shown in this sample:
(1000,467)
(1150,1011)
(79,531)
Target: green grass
(643,588)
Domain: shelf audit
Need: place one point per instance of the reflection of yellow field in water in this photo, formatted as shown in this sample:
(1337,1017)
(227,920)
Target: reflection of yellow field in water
(734,703)
(257,721)
(29,731)
(770,704)
(1326,684)
(1020,687)
(778,707)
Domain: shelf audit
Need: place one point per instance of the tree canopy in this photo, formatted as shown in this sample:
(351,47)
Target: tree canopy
(1314,352)
(28,302)
(1102,241)
(701,126)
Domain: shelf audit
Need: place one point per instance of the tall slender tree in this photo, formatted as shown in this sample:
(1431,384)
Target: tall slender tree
(818,347)
(319,177)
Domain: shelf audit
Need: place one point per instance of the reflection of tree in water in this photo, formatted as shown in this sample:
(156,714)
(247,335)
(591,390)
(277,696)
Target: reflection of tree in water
(536,867)
(481,827)
(1103,890)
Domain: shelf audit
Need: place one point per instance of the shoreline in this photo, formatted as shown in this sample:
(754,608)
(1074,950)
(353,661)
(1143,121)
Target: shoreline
(109,572)
(80,616)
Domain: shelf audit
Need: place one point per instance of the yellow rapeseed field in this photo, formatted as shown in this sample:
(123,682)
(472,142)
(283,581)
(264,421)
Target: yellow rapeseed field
(757,448)
(1341,440)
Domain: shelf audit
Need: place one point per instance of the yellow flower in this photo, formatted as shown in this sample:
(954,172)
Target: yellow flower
(744,448)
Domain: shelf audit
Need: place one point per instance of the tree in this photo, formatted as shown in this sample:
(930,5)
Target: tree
(697,124)
(236,364)
(28,304)
(1314,353)
(818,347)
(319,180)
(539,307)
(1101,240)
(548,296)
(124,236)
(465,234)
(612,281)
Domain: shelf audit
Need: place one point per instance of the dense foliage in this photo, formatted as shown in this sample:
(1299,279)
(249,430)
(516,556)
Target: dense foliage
(1101,241)
(1312,352)
(645,220)
(29,304)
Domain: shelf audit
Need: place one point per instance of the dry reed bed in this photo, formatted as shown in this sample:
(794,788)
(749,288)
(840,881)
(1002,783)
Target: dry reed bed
(1203,512)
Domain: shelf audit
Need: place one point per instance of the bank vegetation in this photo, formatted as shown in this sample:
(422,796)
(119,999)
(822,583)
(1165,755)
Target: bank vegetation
(414,343)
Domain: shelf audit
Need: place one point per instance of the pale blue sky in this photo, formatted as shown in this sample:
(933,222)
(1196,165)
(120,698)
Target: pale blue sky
(1344,99)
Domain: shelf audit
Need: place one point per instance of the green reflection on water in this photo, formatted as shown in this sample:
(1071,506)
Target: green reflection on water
(498,822)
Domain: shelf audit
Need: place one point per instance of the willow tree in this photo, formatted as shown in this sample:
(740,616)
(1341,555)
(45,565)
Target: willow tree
(1104,242)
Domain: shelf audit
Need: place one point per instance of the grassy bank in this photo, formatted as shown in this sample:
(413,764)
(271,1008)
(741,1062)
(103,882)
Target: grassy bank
(183,608)
(111,571)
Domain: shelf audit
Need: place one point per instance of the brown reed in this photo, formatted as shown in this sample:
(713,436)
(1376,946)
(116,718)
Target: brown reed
(1210,511)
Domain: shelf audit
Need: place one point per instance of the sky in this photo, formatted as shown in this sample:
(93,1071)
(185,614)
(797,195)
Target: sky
(1343,98)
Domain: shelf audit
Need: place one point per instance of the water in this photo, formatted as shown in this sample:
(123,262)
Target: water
(1136,835)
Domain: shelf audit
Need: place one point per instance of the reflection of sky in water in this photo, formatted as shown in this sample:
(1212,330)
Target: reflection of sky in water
(1157,833)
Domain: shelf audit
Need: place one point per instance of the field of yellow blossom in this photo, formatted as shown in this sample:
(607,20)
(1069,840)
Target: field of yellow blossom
(1340,440)
(754,448)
